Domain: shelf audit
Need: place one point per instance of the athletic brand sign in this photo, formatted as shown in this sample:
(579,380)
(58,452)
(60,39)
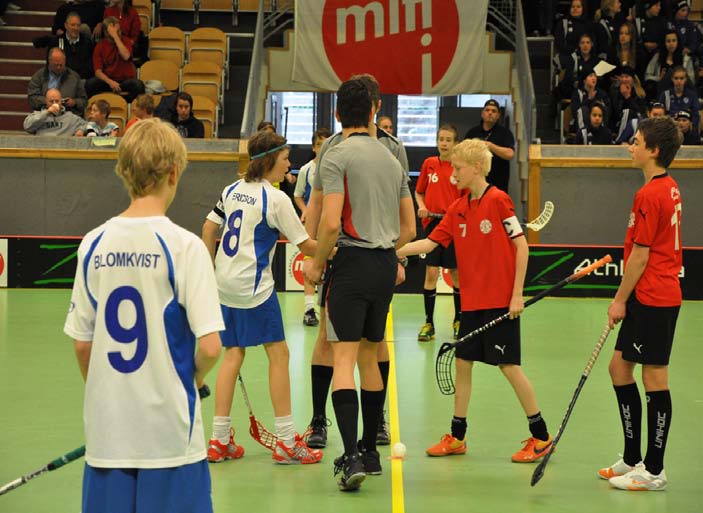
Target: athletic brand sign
(410,46)
(3,262)
(294,267)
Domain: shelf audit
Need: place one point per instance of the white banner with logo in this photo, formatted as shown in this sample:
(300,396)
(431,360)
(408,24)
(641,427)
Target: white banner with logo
(433,47)
(3,263)
(294,268)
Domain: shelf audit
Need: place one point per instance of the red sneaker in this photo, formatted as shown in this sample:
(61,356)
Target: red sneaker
(217,452)
(535,449)
(299,453)
(447,446)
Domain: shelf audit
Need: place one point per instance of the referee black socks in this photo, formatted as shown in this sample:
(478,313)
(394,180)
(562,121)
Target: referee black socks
(321,377)
(371,408)
(658,422)
(346,410)
(430,295)
(630,408)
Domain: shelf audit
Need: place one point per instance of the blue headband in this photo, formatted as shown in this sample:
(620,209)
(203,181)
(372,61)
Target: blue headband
(269,152)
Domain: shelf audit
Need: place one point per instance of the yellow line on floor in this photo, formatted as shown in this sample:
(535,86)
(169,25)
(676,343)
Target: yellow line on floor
(397,496)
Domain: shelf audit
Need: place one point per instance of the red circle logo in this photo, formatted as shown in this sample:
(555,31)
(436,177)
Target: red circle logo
(447,277)
(296,268)
(364,36)
(2,264)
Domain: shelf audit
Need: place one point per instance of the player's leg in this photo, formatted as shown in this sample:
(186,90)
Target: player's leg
(310,316)
(222,445)
(372,398)
(429,293)
(454,442)
(656,385)
(384,365)
(457,302)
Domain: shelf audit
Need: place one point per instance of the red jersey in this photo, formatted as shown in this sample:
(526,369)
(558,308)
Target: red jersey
(655,222)
(108,59)
(482,231)
(435,183)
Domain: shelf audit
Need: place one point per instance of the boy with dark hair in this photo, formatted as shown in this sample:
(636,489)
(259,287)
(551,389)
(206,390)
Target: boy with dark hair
(434,192)
(366,211)
(648,302)
(185,122)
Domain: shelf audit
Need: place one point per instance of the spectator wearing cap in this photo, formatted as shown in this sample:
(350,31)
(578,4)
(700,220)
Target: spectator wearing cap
(499,141)
(656,110)
(651,27)
(627,106)
(689,37)
(680,97)
(569,29)
(691,137)
(586,95)
(55,75)
(595,132)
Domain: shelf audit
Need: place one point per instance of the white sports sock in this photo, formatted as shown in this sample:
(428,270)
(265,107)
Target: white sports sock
(309,302)
(220,429)
(285,430)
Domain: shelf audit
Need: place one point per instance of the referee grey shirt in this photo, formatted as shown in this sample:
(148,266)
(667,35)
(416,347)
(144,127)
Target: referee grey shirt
(373,182)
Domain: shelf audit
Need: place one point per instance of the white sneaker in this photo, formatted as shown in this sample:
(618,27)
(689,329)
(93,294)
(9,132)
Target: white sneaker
(639,479)
(616,469)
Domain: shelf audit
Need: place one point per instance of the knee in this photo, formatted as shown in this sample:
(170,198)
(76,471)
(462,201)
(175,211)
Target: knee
(655,378)
(620,374)
(431,274)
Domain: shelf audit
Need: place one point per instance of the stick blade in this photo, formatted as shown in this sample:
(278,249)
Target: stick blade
(538,473)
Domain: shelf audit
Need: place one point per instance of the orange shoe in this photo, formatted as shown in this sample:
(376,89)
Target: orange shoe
(447,446)
(217,451)
(534,450)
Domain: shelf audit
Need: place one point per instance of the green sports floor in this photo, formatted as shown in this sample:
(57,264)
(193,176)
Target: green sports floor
(41,418)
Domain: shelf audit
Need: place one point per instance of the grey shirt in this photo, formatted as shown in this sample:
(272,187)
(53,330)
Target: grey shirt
(42,122)
(373,182)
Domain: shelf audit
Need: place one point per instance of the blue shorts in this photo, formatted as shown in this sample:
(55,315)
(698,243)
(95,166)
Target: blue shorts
(184,489)
(247,327)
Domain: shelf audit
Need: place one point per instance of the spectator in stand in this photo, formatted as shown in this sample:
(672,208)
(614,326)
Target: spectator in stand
(77,46)
(689,36)
(98,124)
(625,51)
(627,106)
(568,30)
(266,125)
(54,119)
(691,137)
(608,22)
(128,18)
(143,108)
(658,75)
(651,27)
(185,122)
(114,69)
(596,132)
(90,11)
(584,97)
(582,60)
(656,110)
(55,75)
(680,97)
(385,123)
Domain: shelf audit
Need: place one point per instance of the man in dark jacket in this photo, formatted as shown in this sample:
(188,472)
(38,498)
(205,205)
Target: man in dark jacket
(77,46)
(55,75)
(187,125)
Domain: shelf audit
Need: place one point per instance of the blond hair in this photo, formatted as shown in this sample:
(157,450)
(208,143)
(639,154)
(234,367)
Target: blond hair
(473,151)
(148,152)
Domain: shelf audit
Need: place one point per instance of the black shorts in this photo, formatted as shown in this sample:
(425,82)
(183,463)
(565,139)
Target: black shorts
(361,287)
(647,333)
(324,287)
(499,345)
(440,256)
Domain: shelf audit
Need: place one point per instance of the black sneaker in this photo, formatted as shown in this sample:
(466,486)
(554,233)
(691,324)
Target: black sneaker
(382,436)
(371,460)
(317,437)
(310,318)
(352,470)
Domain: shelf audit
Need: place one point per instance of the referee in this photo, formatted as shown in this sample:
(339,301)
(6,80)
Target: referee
(367,211)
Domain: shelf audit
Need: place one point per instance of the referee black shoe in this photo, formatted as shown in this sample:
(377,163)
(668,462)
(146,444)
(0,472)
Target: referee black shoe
(310,318)
(317,436)
(382,436)
(371,460)
(352,470)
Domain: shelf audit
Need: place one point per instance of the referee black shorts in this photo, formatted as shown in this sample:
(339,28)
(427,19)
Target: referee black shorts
(361,287)
(499,345)
(647,332)
(440,256)
(324,287)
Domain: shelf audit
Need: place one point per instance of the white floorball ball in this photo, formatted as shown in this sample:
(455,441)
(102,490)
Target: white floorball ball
(399,450)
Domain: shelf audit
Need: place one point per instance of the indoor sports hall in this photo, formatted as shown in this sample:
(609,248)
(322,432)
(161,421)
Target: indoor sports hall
(248,64)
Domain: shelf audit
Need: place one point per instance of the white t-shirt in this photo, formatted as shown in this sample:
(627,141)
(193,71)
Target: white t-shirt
(144,290)
(303,186)
(255,213)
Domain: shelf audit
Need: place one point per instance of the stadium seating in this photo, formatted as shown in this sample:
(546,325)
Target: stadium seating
(167,43)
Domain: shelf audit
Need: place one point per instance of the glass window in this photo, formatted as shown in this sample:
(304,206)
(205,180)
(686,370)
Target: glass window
(297,117)
(417,120)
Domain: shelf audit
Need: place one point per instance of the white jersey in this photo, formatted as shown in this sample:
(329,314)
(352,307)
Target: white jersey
(255,213)
(144,290)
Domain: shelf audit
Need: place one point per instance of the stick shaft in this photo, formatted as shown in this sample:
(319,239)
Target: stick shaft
(244,394)
(53,465)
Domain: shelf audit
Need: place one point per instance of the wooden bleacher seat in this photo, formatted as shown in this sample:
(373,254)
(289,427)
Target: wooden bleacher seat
(209,44)
(168,43)
(145,9)
(163,70)
(206,111)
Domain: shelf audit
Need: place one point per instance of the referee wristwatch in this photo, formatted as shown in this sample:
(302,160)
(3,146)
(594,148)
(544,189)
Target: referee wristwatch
(403,261)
